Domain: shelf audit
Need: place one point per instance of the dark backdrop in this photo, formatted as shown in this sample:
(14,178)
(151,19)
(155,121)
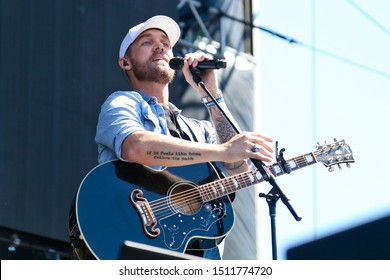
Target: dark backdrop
(58,62)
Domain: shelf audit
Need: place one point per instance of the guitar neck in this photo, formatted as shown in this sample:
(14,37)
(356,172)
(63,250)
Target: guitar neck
(226,186)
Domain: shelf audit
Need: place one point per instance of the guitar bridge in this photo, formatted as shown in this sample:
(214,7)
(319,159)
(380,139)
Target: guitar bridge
(144,211)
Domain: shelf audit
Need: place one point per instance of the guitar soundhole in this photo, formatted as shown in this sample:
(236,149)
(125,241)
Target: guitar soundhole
(185,199)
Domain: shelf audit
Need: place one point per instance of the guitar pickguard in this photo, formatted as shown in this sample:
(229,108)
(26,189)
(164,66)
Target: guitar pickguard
(177,227)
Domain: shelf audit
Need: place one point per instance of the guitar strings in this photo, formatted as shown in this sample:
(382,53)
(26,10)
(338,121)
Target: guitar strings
(211,191)
(169,204)
(194,195)
(163,206)
(207,191)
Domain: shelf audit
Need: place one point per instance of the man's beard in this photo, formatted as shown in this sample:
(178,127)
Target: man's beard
(151,73)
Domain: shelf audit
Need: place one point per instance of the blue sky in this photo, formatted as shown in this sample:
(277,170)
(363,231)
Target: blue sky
(334,84)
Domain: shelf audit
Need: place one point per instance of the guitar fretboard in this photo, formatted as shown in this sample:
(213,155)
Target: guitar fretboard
(240,181)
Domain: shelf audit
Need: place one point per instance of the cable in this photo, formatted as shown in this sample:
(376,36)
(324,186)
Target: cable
(346,60)
(372,19)
(312,48)
(324,52)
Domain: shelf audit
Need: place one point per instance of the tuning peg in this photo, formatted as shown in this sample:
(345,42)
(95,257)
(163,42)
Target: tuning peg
(331,169)
(334,139)
(348,165)
(339,166)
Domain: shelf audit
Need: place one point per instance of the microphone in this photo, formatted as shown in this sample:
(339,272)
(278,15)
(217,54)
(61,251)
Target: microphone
(177,63)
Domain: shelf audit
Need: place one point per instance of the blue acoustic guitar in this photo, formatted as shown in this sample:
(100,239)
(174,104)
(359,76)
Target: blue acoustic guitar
(178,208)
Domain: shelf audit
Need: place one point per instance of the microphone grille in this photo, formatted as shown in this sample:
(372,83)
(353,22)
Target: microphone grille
(176,63)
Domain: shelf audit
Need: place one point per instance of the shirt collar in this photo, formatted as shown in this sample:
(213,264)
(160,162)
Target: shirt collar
(153,100)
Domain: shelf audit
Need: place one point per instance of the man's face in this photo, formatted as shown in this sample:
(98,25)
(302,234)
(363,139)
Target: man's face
(149,57)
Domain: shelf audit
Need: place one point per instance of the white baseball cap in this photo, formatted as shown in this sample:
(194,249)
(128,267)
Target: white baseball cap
(166,24)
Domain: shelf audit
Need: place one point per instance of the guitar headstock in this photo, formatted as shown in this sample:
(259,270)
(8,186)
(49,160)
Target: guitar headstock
(334,153)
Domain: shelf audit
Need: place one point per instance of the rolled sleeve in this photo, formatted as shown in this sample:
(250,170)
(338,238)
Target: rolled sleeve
(120,116)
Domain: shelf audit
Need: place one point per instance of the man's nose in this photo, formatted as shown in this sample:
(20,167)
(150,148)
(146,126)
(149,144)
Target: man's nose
(158,46)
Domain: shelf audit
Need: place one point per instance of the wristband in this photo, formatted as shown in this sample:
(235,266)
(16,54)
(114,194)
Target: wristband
(211,103)
(208,102)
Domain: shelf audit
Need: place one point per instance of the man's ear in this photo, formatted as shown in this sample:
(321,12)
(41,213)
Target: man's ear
(124,64)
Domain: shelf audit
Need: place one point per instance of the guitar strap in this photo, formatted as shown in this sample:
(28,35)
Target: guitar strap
(198,133)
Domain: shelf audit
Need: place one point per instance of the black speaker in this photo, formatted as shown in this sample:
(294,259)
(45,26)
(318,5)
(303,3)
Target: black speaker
(20,245)
(370,241)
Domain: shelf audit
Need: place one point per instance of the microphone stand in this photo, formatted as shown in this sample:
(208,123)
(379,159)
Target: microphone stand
(276,192)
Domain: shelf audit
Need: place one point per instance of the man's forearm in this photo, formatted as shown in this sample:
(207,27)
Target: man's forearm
(225,132)
(159,150)
(223,128)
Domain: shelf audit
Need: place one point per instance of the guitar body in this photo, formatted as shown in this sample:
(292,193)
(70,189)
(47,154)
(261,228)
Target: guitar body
(119,201)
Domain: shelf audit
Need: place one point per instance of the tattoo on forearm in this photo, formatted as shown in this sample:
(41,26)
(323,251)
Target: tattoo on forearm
(224,131)
(181,156)
(223,128)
